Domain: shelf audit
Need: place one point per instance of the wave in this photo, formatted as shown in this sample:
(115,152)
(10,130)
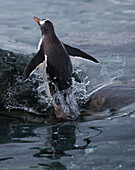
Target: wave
(29,95)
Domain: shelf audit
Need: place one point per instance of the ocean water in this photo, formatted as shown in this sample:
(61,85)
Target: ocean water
(103,136)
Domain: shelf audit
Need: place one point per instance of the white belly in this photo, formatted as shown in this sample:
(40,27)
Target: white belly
(43,71)
(44,76)
(39,44)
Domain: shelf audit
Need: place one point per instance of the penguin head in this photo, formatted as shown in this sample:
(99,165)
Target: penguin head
(46,26)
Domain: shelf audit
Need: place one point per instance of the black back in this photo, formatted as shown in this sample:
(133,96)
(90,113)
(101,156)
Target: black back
(59,67)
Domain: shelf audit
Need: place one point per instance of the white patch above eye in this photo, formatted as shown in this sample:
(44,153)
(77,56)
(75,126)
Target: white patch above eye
(42,22)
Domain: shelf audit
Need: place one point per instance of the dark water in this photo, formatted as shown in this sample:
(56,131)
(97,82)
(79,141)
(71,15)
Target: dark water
(104,136)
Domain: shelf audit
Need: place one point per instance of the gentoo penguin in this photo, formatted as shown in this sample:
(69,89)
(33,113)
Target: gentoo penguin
(54,54)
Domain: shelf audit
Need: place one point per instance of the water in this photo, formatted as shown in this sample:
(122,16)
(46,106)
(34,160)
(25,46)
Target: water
(103,137)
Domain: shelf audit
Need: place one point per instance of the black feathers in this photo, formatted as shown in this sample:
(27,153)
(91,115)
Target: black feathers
(34,63)
(78,53)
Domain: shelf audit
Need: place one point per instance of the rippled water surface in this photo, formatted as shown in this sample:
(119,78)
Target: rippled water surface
(103,137)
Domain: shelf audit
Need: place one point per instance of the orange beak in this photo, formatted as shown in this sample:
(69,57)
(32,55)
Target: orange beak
(37,20)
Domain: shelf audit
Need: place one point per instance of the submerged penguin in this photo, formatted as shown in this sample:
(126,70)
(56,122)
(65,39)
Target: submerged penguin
(54,55)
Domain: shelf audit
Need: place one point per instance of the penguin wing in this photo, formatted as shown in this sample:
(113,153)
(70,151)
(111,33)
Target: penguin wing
(34,63)
(78,53)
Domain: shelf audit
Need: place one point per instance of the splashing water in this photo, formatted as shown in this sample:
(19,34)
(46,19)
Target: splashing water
(66,100)
(106,75)
(32,91)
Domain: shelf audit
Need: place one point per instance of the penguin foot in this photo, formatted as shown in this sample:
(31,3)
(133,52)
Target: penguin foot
(59,113)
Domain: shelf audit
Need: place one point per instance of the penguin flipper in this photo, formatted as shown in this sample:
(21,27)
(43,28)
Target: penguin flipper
(34,63)
(78,53)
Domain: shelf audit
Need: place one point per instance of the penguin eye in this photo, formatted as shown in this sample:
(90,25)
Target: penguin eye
(47,21)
